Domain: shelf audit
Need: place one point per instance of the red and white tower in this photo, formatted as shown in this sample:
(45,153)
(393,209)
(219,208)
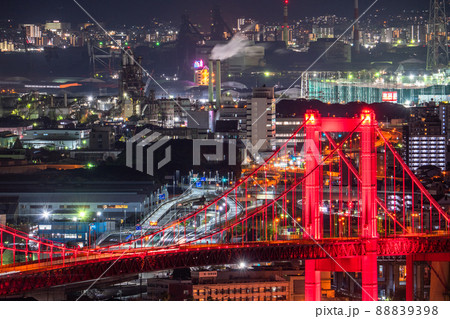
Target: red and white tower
(356,28)
(285,26)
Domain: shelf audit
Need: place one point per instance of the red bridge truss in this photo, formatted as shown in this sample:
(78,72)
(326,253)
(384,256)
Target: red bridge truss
(336,193)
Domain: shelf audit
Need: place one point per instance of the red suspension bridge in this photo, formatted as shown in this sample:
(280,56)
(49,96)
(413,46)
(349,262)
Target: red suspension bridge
(336,194)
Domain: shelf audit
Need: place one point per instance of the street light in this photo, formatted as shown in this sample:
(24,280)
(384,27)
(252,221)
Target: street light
(46,214)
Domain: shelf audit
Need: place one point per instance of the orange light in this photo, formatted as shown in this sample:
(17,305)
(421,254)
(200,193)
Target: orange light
(310,117)
(64,86)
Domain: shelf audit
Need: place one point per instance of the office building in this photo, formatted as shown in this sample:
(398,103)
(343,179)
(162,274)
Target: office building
(261,118)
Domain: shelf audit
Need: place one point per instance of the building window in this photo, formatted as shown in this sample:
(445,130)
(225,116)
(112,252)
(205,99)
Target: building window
(380,271)
(402,274)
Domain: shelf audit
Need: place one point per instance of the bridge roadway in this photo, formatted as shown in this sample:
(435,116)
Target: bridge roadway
(90,265)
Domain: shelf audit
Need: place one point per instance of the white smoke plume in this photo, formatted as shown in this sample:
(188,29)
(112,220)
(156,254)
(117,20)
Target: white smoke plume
(234,47)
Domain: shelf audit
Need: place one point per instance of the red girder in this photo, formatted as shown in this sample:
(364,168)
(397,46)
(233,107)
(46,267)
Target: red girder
(216,254)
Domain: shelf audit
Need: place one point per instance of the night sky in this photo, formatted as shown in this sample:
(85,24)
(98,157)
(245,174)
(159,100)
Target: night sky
(116,12)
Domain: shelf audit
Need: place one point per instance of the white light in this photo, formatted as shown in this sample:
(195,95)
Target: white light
(46,214)
(99,213)
(242,265)
(74,219)
(90,98)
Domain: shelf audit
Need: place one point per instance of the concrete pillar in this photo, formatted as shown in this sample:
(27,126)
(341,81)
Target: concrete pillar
(439,278)
(312,281)
(419,281)
(409,278)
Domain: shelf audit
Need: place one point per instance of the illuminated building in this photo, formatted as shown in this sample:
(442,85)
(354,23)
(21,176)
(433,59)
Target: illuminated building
(6,46)
(426,141)
(261,117)
(261,290)
(57,27)
(202,76)
(320,32)
(119,204)
(57,139)
(285,128)
(7,139)
(82,233)
(32,32)
(230,285)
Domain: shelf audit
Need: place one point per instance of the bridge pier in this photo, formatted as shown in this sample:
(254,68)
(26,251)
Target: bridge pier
(369,269)
(312,281)
(409,278)
(439,264)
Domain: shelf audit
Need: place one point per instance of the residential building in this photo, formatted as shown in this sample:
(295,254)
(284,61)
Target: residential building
(427,140)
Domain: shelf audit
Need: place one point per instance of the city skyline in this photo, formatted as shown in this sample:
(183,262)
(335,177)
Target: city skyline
(188,151)
(142,12)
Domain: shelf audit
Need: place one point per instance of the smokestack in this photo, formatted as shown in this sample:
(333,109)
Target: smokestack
(285,23)
(356,29)
(210,83)
(218,84)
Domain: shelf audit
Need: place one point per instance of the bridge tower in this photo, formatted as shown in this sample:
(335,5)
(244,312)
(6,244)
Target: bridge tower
(368,173)
(314,128)
(311,199)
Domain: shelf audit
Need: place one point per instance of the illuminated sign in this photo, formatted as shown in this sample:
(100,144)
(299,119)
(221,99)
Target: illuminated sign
(153,223)
(207,274)
(199,64)
(115,206)
(389,97)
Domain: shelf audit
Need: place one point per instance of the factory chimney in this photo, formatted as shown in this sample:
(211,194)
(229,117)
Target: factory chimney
(285,23)
(218,84)
(210,82)
(356,29)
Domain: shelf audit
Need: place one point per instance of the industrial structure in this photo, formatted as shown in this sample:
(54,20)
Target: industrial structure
(374,86)
(356,44)
(131,88)
(437,55)
(285,25)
